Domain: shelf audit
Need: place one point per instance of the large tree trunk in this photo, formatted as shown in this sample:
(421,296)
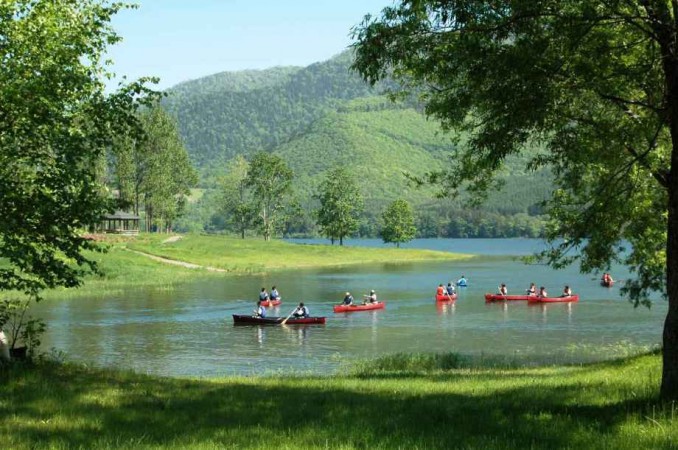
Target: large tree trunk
(669,388)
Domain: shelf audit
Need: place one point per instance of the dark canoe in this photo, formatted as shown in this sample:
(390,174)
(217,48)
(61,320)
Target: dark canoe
(501,298)
(365,307)
(606,283)
(446,297)
(239,319)
(538,299)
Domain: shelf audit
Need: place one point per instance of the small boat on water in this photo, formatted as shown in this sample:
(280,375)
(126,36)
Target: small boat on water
(567,299)
(503,298)
(359,307)
(607,283)
(446,297)
(240,319)
(269,303)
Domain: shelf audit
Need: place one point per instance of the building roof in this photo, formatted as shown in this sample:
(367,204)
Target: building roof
(121,215)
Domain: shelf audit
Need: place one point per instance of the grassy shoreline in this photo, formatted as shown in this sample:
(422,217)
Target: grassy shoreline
(603,405)
(124,269)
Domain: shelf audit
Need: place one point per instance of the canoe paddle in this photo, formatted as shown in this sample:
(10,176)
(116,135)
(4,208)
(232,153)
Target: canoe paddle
(288,317)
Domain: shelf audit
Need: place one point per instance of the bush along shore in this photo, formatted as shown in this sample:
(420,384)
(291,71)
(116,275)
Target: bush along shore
(402,401)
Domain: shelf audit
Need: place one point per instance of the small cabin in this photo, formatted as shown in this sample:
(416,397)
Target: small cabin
(120,222)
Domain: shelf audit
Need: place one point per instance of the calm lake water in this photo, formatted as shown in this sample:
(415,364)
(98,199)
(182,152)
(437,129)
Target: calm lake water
(188,329)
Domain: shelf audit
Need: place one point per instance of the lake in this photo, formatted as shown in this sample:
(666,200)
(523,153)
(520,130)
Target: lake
(187,330)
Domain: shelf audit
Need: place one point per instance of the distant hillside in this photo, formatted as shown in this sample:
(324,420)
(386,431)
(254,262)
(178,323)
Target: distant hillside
(322,116)
(228,114)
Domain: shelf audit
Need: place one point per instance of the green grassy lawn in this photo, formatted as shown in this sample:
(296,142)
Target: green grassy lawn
(122,268)
(605,405)
(255,255)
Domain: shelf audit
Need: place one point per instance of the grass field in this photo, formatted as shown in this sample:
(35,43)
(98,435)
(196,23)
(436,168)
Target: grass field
(255,255)
(380,404)
(123,268)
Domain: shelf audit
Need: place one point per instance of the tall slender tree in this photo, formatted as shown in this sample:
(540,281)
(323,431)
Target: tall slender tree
(340,203)
(594,83)
(237,201)
(270,179)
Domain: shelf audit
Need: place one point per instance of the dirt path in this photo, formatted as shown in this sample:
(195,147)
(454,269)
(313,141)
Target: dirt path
(188,265)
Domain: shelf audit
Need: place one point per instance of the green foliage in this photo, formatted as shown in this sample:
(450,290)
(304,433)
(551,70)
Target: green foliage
(55,123)
(22,329)
(237,202)
(593,83)
(398,223)
(340,203)
(231,114)
(270,179)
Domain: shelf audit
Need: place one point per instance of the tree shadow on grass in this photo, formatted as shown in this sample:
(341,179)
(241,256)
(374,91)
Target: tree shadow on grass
(71,407)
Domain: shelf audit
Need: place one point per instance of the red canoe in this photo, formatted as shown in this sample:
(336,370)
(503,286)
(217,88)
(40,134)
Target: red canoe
(250,320)
(446,298)
(501,298)
(269,303)
(367,307)
(538,299)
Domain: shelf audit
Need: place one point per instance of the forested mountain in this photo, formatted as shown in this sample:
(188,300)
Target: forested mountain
(228,114)
(324,116)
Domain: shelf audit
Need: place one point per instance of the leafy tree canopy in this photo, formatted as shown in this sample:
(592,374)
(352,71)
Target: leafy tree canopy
(340,203)
(595,83)
(398,223)
(55,123)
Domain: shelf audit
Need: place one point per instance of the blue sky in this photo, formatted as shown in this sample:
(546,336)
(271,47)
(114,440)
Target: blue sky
(179,40)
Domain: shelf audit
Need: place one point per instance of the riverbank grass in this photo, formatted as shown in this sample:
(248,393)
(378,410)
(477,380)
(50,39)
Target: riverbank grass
(605,405)
(123,267)
(255,255)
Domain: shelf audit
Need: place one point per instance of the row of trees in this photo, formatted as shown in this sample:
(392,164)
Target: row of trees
(152,172)
(257,194)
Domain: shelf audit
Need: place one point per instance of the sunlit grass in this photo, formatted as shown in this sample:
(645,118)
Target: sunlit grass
(441,404)
(255,255)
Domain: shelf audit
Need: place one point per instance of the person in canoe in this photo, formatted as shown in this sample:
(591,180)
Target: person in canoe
(440,290)
(542,292)
(260,311)
(371,297)
(450,288)
(301,311)
(275,295)
(607,279)
(348,299)
(462,281)
(567,292)
(503,290)
(263,295)
(532,290)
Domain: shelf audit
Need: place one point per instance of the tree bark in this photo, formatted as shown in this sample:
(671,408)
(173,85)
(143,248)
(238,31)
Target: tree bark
(669,387)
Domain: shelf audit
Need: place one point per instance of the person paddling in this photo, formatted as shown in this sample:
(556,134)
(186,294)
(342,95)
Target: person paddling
(462,281)
(542,292)
(275,295)
(301,311)
(371,298)
(567,292)
(440,291)
(263,295)
(450,288)
(348,299)
(532,290)
(503,290)
(260,311)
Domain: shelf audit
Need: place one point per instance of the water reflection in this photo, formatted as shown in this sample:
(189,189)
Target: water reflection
(446,308)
